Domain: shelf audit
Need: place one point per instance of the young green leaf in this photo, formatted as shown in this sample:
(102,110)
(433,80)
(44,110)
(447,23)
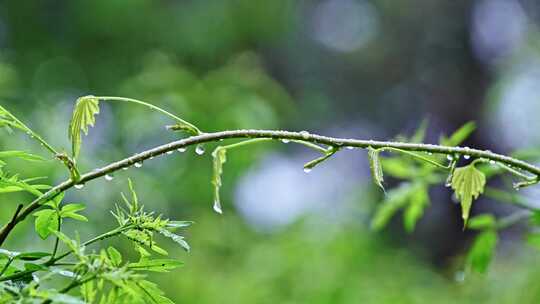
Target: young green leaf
(176,238)
(396,199)
(21,155)
(46,222)
(468,183)
(459,135)
(482,221)
(114,255)
(376,168)
(419,200)
(482,250)
(83,116)
(157,265)
(55,202)
(72,208)
(220,157)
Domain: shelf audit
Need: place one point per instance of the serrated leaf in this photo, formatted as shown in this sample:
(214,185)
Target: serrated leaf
(376,168)
(176,238)
(419,200)
(483,221)
(84,113)
(482,250)
(156,265)
(219,158)
(114,255)
(46,222)
(468,183)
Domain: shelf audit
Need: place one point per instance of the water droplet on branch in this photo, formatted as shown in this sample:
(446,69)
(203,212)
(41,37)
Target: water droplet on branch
(466,156)
(138,164)
(169,152)
(108,177)
(217,207)
(181,150)
(285,141)
(305,134)
(307,170)
(79,186)
(199,150)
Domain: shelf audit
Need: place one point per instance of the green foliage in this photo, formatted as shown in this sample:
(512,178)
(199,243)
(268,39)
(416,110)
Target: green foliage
(110,276)
(482,250)
(468,183)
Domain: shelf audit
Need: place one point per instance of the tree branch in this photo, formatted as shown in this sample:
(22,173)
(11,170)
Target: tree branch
(283,135)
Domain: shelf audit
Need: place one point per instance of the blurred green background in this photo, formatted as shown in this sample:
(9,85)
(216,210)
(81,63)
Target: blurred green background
(350,68)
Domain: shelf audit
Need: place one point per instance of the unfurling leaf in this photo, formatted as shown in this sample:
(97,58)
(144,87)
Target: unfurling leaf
(481,252)
(220,157)
(468,183)
(375,166)
(47,221)
(83,116)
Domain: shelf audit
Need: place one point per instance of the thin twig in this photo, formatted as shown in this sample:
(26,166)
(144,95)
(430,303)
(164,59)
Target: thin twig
(292,136)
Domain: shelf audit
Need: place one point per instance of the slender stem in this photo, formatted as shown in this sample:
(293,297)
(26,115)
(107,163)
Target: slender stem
(153,107)
(297,136)
(415,155)
(57,241)
(10,260)
(311,145)
(32,134)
